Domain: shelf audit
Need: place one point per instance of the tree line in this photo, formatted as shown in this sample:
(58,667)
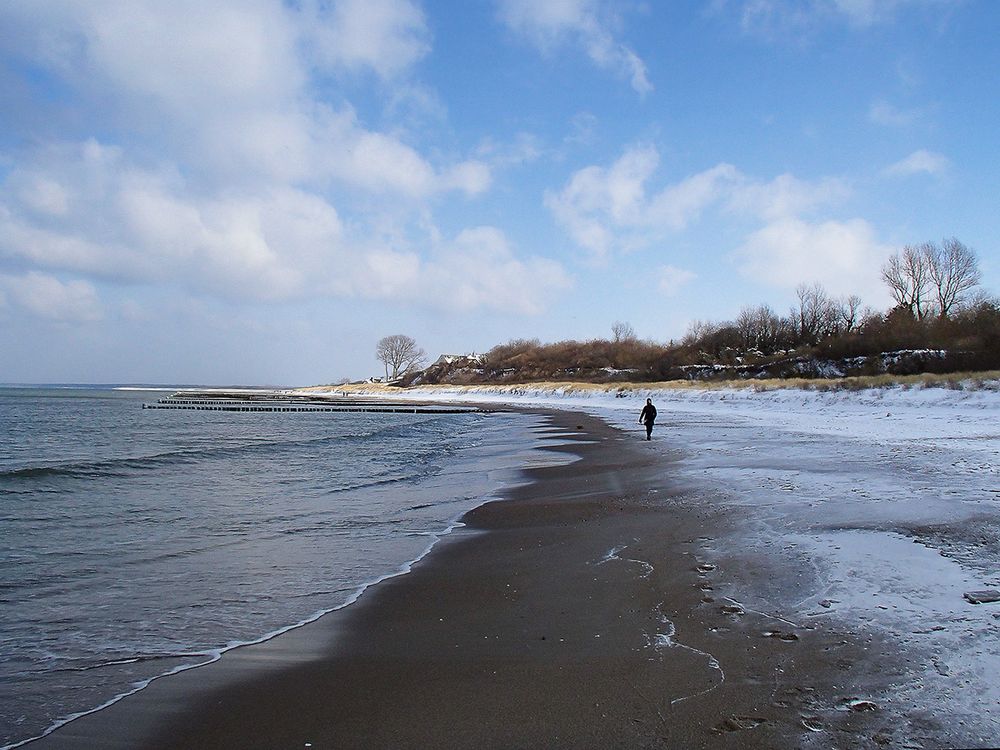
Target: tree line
(938,306)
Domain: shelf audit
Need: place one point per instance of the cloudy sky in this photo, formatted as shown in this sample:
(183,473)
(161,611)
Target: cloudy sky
(255,191)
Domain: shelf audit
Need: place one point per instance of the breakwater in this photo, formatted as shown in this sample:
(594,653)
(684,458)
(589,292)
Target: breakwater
(276,401)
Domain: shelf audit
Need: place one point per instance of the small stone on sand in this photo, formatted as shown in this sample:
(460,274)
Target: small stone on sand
(986,596)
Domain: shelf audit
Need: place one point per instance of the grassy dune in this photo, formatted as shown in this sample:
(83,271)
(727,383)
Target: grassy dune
(971,381)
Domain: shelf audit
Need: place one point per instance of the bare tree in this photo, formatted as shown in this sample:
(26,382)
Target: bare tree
(849,313)
(759,328)
(769,329)
(698,331)
(953,270)
(907,275)
(622,331)
(399,354)
(816,314)
(978,300)
(745,325)
(931,277)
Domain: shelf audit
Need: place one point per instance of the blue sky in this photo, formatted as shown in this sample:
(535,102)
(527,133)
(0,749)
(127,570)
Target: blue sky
(256,191)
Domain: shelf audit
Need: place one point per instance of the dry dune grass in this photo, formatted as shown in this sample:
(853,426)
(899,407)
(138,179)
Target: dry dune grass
(969,381)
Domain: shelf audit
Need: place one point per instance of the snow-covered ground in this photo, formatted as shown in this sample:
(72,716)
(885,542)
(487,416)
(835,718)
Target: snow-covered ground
(887,500)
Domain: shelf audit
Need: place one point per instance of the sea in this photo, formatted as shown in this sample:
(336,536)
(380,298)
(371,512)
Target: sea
(136,543)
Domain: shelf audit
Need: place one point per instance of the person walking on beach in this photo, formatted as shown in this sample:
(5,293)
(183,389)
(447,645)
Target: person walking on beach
(647,417)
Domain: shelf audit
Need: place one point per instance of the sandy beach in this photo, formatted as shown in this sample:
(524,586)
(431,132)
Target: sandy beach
(608,602)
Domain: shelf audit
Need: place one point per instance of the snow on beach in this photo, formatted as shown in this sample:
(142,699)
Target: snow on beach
(883,505)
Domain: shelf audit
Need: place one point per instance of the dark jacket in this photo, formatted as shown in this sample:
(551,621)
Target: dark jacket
(648,415)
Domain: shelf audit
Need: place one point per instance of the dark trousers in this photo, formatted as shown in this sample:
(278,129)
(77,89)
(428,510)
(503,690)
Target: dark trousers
(649,429)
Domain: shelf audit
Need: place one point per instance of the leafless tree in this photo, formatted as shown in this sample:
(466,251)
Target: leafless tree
(622,331)
(399,354)
(849,313)
(979,299)
(759,328)
(698,331)
(931,278)
(953,270)
(816,314)
(907,275)
(745,325)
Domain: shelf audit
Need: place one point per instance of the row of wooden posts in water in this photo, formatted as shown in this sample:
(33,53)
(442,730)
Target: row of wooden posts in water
(272,401)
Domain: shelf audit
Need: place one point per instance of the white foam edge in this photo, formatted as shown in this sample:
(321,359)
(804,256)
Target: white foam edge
(215,655)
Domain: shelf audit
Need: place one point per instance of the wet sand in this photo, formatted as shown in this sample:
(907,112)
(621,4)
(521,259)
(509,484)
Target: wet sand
(580,612)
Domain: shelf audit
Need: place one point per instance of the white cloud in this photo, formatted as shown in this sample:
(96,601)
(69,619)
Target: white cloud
(387,36)
(479,269)
(374,161)
(44,196)
(865,13)
(786,195)
(612,209)
(609,209)
(386,274)
(229,86)
(415,107)
(790,18)
(132,224)
(882,112)
(672,279)
(44,296)
(471,177)
(524,149)
(140,225)
(583,129)
(919,162)
(768,17)
(221,178)
(475,270)
(678,205)
(845,257)
(605,209)
(186,55)
(550,23)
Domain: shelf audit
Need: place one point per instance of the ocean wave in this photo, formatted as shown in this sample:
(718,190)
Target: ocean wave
(129,465)
(211,655)
(132,659)
(296,485)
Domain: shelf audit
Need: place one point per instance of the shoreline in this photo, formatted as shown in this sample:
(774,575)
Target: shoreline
(502,462)
(216,655)
(611,602)
(576,612)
